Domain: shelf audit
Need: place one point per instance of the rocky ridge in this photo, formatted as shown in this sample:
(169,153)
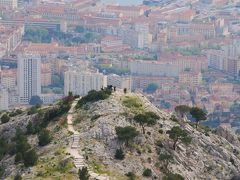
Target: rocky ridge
(211,155)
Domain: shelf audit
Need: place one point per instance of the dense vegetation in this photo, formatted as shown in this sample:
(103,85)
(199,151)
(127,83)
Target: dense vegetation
(94,96)
(146,119)
(190,51)
(46,36)
(5,118)
(83,174)
(151,88)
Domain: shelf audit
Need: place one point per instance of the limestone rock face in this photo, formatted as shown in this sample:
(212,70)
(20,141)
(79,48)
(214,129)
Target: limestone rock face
(228,135)
(212,156)
(8,130)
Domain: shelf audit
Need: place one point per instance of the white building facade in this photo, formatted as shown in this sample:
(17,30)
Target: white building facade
(29,77)
(9,3)
(80,83)
(3,99)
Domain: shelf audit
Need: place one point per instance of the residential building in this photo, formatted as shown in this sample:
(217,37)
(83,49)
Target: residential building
(80,83)
(217,59)
(50,98)
(153,68)
(113,44)
(120,82)
(29,76)
(46,75)
(190,79)
(9,3)
(141,82)
(125,11)
(10,38)
(9,79)
(144,37)
(3,99)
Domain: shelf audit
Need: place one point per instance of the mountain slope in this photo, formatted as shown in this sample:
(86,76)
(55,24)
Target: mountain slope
(212,154)
(209,156)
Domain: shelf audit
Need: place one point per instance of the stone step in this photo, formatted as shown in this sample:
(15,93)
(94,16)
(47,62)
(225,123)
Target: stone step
(80,157)
(80,165)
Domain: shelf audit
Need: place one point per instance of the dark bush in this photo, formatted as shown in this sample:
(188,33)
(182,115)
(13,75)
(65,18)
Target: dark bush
(5,118)
(30,128)
(147,173)
(171,176)
(18,177)
(83,174)
(131,176)
(119,154)
(18,158)
(4,148)
(44,138)
(30,158)
(94,96)
(2,170)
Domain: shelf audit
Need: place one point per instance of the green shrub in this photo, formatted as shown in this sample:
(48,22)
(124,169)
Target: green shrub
(4,148)
(18,177)
(83,174)
(94,96)
(18,158)
(5,118)
(132,102)
(147,173)
(30,158)
(160,131)
(131,176)
(44,138)
(30,128)
(19,111)
(119,154)
(171,176)
(32,110)
(2,170)
(21,142)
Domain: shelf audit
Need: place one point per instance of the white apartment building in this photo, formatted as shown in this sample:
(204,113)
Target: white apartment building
(80,83)
(217,59)
(119,82)
(9,3)
(144,37)
(191,79)
(3,99)
(29,76)
(153,68)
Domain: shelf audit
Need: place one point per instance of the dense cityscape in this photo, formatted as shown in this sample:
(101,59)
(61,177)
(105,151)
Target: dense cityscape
(173,52)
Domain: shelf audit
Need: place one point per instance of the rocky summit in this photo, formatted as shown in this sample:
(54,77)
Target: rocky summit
(119,136)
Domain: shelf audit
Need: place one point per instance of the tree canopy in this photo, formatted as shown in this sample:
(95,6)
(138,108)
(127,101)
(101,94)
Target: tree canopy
(179,135)
(198,114)
(148,118)
(126,134)
(35,100)
(44,137)
(151,88)
(5,118)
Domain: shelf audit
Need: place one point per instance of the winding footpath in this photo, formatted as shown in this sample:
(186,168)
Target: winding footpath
(79,160)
